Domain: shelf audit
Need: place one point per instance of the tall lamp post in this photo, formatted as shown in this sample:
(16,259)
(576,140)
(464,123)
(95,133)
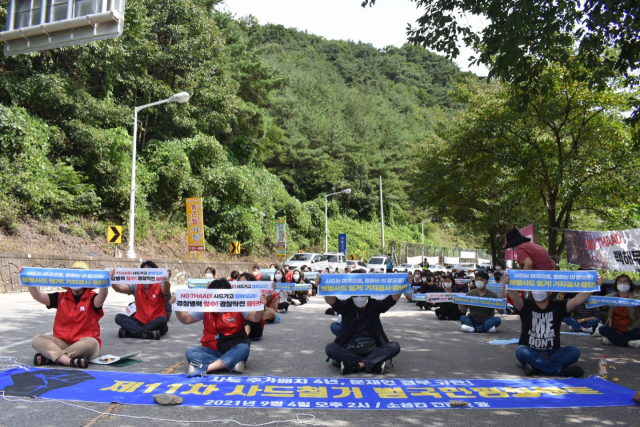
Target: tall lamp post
(326,217)
(181,98)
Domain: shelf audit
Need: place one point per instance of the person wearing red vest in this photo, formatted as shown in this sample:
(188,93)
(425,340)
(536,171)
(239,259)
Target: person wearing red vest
(76,331)
(150,318)
(225,344)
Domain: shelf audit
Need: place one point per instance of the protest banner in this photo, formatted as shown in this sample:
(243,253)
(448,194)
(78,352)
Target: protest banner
(596,301)
(139,276)
(217,300)
(269,392)
(462,281)
(553,281)
(495,287)
(497,303)
(450,260)
(265,288)
(268,271)
(195,224)
(63,277)
(617,250)
(435,297)
(292,287)
(199,283)
(362,284)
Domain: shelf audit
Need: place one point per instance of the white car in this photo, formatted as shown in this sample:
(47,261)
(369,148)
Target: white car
(336,261)
(466,268)
(357,265)
(407,268)
(315,262)
(438,268)
(377,264)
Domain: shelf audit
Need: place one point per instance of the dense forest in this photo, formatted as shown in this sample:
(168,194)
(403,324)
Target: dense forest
(277,118)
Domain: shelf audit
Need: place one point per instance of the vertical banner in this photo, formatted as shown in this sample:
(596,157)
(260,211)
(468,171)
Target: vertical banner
(342,243)
(195,225)
(528,231)
(281,238)
(617,250)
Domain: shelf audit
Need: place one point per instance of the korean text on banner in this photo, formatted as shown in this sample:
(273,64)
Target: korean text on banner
(290,287)
(362,284)
(195,225)
(265,288)
(497,303)
(217,300)
(435,297)
(462,281)
(553,281)
(606,250)
(595,301)
(68,278)
(137,276)
(281,238)
(199,283)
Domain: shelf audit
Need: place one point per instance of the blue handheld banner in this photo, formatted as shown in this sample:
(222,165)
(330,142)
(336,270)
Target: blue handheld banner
(66,278)
(362,284)
(311,275)
(595,301)
(497,303)
(553,281)
(291,287)
(199,283)
(269,271)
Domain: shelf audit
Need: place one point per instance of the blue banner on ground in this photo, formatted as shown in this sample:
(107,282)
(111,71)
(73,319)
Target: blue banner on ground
(290,287)
(595,301)
(315,393)
(497,303)
(68,278)
(553,281)
(199,283)
(362,284)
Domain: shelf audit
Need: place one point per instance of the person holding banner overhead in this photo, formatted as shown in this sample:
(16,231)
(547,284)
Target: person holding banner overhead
(76,328)
(150,318)
(448,310)
(623,324)
(480,319)
(539,349)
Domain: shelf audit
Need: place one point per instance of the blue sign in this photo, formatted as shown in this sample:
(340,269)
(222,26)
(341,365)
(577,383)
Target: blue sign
(497,303)
(553,281)
(372,393)
(595,301)
(291,287)
(199,283)
(67,278)
(342,243)
(362,284)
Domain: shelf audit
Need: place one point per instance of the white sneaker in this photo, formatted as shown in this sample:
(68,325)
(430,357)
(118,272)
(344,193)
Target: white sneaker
(296,302)
(492,330)
(634,344)
(606,341)
(467,328)
(596,333)
(239,367)
(587,330)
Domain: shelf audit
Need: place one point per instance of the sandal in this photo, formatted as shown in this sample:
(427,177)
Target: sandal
(40,360)
(79,362)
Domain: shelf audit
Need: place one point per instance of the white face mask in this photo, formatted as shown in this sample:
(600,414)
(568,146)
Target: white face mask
(498,268)
(480,284)
(447,285)
(417,277)
(360,301)
(296,276)
(623,288)
(424,280)
(278,276)
(539,295)
(208,276)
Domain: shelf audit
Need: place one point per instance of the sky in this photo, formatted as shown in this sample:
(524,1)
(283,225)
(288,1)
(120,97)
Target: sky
(381,25)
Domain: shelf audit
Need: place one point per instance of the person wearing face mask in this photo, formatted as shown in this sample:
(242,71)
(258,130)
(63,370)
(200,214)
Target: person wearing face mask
(288,274)
(539,351)
(76,331)
(427,285)
(150,319)
(361,344)
(448,310)
(414,280)
(622,327)
(210,273)
(256,272)
(480,319)
(298,297)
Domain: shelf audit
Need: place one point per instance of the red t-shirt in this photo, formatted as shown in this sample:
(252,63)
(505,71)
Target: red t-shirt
(288,276)
(538,254)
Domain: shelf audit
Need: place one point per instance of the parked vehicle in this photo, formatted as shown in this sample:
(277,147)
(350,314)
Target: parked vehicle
(357,265)
(336,262)
(377,264)
(438,268)
(408,268)
(315,262)
(467,268)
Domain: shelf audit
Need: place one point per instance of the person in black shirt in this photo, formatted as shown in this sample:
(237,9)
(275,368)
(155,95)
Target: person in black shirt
(539,350)
(427,286)
(448,310)
(361,343)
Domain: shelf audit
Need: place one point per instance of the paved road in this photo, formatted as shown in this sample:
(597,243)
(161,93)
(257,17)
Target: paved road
(295,347)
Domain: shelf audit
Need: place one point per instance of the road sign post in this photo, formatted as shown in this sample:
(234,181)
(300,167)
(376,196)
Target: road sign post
(114,235)
(235,248)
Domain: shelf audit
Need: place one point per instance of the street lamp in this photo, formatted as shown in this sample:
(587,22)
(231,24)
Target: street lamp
(180,98)
(326,225)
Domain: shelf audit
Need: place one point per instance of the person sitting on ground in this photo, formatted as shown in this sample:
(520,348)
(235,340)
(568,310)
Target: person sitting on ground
(448,310)
(255,330)
(225,344)
(76,327)
(480,319)
(210,273)
(150,318)
(288,274)
(539,350)
(427,286)
(622,327)
(415,280)
(234,275)
(256,272)
(361,343)
(583,319)
(283,305)
(298,297)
